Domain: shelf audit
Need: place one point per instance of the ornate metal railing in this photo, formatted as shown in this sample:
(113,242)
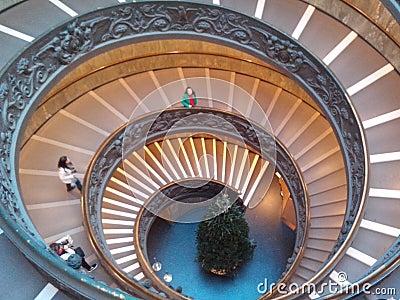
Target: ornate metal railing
(160,125)
(25,82)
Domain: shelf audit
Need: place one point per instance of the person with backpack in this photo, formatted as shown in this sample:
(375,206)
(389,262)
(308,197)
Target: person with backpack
(75,257)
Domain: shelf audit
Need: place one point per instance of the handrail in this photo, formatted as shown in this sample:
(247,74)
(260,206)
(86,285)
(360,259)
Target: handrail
(152,55)
(298,252)
(371,19)
(24,83)
(359,11)
(5,6)
(159,125)
(380,40)
(393,7)
(55,92)
(100,169)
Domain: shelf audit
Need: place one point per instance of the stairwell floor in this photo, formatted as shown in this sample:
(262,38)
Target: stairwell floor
(174,245)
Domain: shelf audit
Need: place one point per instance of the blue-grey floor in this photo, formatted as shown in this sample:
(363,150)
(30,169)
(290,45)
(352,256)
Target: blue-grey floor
(174,245)
(18,278)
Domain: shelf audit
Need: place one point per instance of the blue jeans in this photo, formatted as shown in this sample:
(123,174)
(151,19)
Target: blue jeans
(77,183)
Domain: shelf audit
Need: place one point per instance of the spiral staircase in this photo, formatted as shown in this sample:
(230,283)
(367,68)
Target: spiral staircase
(96,96)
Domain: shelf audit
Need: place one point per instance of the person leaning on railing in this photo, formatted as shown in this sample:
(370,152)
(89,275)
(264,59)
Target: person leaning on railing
(189,98)
(75,257)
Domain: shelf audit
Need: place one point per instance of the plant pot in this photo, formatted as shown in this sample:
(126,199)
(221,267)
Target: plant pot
(218,272)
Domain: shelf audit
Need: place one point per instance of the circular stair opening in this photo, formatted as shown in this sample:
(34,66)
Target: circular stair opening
(173,246)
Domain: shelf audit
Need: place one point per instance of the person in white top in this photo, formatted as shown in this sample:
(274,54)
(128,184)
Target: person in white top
(65,249)
(66,172)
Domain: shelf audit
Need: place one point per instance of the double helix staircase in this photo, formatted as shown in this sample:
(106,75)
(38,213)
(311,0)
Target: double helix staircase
(173,160)
(79,126)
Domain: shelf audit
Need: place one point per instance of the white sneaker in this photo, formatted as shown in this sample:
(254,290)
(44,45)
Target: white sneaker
(92,268)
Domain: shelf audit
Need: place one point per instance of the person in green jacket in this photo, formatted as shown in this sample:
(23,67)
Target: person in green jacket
(189,98)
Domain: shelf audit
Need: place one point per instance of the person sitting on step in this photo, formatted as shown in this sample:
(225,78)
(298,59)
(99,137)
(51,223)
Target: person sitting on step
(75,257)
